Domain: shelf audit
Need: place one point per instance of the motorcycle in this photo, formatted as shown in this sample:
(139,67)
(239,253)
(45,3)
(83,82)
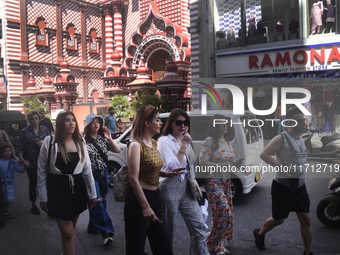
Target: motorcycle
(330,144)
(328,209)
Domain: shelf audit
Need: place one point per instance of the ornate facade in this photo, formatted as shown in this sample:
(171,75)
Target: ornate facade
(98,43)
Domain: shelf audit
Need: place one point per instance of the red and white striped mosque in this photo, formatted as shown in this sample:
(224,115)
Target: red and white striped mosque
(68,52)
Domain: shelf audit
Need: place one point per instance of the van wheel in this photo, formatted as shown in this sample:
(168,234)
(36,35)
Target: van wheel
(113,168)
(236,188)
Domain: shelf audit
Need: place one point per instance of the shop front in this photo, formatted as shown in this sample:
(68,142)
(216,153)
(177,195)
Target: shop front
(315,67)
(248,22)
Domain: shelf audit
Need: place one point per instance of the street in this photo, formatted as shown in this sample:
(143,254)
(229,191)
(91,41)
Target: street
(30,234)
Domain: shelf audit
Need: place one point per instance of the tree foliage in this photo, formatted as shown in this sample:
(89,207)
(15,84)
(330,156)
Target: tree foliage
(146,98)
(33,104)
(122,106)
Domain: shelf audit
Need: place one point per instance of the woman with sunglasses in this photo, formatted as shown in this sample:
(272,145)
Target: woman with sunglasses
(176,151)
(143,214)
(99,142)
(65,181)
(216,149)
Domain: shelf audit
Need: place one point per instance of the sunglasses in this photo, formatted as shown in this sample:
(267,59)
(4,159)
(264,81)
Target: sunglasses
(180,123)
(302,121)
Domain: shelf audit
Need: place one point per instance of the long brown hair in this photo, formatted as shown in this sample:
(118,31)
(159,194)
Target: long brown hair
(60,137)
(145,113)
(215,132)
(172,117)
(87,129)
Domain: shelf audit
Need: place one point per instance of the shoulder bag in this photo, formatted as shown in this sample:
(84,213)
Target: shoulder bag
(195,188)
(121,183)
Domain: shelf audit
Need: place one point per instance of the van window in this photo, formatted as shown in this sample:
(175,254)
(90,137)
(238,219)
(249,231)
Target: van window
(252,131)
(13,129)
(199,127)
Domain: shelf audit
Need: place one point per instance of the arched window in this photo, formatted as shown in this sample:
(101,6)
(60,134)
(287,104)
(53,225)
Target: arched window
(93,44)
(71,43)
(41,36)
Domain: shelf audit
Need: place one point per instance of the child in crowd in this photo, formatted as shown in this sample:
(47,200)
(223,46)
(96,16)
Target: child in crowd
(7,167)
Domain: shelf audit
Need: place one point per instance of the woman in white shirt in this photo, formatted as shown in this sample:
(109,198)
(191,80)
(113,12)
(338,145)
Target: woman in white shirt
(65,182)
(175,150)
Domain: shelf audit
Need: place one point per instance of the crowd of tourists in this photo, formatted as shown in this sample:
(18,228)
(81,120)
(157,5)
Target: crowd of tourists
(68,174)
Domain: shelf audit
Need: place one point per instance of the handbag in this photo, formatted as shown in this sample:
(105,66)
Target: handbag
(195,188)
(121,184)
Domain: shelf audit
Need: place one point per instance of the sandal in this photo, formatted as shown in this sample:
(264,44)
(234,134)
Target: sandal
(220,252)
(226,251)
(7,215)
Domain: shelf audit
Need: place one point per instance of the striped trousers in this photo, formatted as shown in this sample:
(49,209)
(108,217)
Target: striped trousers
(177,197)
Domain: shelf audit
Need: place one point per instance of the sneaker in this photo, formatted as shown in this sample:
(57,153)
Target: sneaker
(108,240)
(259,240)
(110,234)
(35,210)
(311,253)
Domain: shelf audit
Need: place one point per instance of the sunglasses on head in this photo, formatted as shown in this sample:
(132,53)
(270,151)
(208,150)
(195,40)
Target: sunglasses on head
(180,123)
(64,111)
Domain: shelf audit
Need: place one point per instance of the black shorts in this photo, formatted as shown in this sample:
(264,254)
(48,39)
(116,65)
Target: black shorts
(285,200)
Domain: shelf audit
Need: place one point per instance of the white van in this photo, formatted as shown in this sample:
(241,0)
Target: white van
(248,143)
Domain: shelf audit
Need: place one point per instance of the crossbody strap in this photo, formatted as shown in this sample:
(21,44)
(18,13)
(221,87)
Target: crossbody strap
(101,153)
(49,153)
(188,167)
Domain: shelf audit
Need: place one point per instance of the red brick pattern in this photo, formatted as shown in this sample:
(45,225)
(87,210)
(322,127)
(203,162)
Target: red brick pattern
(70,13)
(44,8)
(95,82)
(93,21)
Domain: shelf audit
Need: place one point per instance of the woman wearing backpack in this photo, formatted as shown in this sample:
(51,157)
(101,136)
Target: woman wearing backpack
(65,181)
(143,213)
(99,142)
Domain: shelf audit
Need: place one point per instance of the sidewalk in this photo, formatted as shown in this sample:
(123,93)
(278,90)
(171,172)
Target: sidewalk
(27,233)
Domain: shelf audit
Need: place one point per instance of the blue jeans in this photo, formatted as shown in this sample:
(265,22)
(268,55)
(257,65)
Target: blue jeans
(99,218)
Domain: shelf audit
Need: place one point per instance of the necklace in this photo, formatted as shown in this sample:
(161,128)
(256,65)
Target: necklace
(148,144)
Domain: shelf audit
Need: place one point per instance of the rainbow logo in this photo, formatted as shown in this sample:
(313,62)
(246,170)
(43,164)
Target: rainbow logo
(209,93)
